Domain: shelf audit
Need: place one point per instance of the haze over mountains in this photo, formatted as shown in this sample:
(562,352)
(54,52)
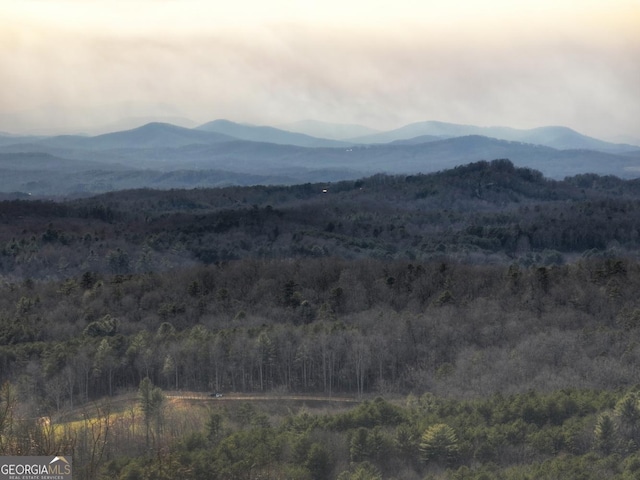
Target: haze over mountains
(163,155)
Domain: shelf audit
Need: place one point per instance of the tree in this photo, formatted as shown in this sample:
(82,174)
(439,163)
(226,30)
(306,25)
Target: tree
(605,433)
(170,370)
(118,261)
(359,445)
(214,427)
(628,412)
(406,440)
(318,462)
(151,400)
(290,297)
(107,326)
(266,358)
(93,439)
(105,361)
(8,402)
(361,356)
(439,443)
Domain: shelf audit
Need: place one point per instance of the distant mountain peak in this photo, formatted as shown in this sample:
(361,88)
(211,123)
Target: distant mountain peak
(266,134)
(158,126)
(222,121)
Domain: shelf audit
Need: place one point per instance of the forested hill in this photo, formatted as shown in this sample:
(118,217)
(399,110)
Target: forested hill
(505,303)
(485,211)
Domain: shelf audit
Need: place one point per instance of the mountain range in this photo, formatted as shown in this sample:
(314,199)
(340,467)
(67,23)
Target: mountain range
(221,152)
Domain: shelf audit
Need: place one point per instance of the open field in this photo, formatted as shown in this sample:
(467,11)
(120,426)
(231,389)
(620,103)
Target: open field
(194,406)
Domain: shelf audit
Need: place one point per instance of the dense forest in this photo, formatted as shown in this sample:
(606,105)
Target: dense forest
(485,319)
(486,212)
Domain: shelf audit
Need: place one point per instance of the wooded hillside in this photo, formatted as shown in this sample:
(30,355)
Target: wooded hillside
(483,212)
(465,285)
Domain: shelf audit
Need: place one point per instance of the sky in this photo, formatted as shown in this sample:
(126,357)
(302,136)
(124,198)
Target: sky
(93,65)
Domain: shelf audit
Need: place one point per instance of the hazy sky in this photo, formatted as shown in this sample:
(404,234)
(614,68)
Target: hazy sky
(74,65)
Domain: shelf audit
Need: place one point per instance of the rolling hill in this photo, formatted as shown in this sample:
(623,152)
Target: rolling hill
(159,155)
(552,136)
(151,135)
(256,133)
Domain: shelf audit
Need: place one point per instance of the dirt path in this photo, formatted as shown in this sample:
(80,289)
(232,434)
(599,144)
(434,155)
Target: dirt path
(258,397)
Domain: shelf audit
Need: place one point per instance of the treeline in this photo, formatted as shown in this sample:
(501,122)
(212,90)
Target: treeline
(324,325)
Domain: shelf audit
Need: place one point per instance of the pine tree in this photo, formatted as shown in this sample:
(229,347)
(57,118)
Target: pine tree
(439,443)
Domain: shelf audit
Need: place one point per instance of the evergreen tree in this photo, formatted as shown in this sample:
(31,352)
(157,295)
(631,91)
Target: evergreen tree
(439,443)
(151,400)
